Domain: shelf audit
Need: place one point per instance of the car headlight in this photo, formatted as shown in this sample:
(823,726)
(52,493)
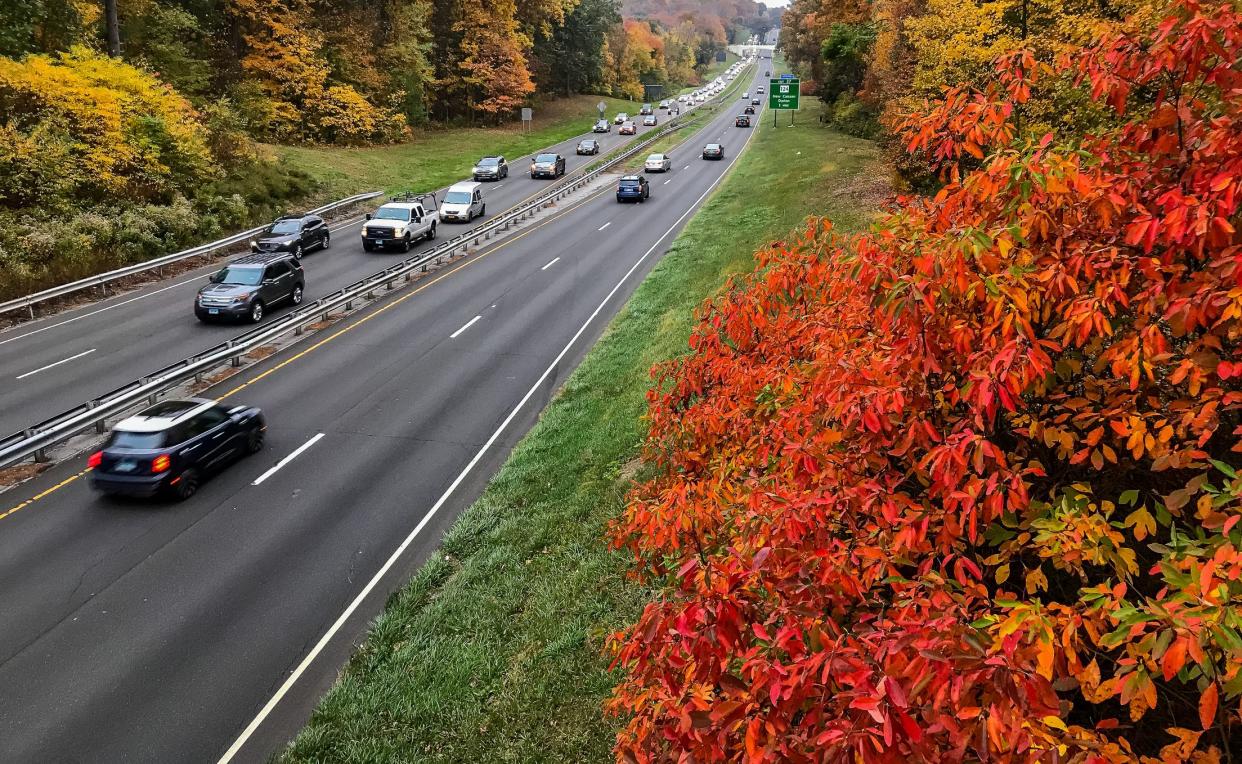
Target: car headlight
(240,299)
(398,232)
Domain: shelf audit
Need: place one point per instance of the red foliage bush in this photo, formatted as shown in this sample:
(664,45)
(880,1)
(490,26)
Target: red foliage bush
(963,488)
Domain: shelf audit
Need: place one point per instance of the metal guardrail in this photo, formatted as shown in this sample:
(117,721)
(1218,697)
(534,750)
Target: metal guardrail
(30,300)
(34,441)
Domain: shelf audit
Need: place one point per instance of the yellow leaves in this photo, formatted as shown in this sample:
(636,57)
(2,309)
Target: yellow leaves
(1002,574)
(1036,580)
(1142,522)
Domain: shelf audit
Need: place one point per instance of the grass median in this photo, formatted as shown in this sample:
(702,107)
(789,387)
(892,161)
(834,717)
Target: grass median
(494,651)
(436,158)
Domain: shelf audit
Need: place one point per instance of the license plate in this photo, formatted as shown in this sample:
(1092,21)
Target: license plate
(125,465)
(213,311)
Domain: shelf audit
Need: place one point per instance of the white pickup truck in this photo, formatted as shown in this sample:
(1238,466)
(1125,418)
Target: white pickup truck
(401,223)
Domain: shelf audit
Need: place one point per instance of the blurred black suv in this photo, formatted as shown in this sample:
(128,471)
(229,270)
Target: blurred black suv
(169,448)
(295,234)
(248,286)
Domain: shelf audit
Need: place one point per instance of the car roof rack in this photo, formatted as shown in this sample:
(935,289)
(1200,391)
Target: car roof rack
(410,197)
(259,258)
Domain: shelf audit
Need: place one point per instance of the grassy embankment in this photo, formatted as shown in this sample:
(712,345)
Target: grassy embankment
(436,158)
(494,651)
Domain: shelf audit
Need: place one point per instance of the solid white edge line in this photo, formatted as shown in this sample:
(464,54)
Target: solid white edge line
(58,363)
(457,481)
(297,452)
(469,324)
(605,225)
(544,268)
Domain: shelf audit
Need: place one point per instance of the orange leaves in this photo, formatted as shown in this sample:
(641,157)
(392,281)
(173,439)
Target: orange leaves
(922,491)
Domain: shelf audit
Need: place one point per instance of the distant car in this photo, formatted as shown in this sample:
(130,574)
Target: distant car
(628,128)
(767,73)
(759,90)
(664,105)
(645,110)
(743,120)
(620,118)
(683,98)
(602,126)
(491,168)
(633,188)
(649,120)
(745,95)
(749,109)
(463,202)
(674,110)
(713,151)
(295,234)
(547,166)
(658,163)
(246,287)
(589,146)
(755,102)
(169,448)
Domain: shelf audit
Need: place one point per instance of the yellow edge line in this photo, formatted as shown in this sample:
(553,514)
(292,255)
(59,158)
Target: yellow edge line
(478,256)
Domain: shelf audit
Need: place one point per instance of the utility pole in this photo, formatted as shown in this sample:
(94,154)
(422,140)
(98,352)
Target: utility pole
(114,28)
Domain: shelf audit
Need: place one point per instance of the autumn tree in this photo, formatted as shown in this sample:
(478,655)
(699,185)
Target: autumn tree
(493,63)
(965,487)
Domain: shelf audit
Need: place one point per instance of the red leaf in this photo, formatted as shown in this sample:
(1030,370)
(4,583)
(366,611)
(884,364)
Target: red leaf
(1207,706)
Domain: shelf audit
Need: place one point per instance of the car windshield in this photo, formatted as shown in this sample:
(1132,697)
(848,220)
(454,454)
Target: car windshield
(713,147)
(587,144)
(546,158)
(488,162)
(235,275)
(392,213)
(136,440)
(457,197)
(285,226)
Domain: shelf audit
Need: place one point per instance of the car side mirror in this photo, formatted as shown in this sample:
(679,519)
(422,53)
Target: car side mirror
(417,219)
(367,216)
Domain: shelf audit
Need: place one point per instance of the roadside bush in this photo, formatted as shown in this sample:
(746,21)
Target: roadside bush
(965,488)
(852,117)
(86,126)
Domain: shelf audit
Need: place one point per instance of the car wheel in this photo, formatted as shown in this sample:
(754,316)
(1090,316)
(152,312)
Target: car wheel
(366,247)
(327,240)
(296,297)
(405,243)
(254,441)
(297,252)
(186,486)
(483,211)
(431,235)
(256,312)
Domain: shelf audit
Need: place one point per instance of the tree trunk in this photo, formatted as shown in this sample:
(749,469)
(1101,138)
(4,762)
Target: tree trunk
(114,28)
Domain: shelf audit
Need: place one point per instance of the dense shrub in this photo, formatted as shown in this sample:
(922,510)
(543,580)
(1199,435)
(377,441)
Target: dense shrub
(964,488)
(84,126)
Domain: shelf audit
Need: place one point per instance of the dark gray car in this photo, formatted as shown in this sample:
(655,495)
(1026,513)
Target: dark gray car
(247,287)
(295,234)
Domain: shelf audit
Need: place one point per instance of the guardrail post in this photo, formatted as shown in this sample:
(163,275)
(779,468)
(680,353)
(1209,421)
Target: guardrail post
(40,456)
(99,426)
(390,284)
(349,305)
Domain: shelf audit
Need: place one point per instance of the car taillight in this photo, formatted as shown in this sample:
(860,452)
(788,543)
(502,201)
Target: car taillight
(160,464)
(95,460)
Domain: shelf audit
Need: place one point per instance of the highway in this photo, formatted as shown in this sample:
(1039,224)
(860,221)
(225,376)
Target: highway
(149,632)
(50,365)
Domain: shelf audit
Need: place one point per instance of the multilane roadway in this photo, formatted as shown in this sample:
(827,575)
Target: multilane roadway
(148,632)
(50,365)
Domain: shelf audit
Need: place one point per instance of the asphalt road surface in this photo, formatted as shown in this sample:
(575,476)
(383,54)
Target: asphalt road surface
(149,632)
(53,364)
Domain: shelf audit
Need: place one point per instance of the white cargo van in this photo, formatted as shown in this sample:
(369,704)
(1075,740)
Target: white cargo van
(463,202)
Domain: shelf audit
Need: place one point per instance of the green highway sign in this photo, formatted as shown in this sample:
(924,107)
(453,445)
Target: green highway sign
(783,94)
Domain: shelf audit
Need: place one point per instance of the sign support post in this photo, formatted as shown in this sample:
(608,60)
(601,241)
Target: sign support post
(783,94)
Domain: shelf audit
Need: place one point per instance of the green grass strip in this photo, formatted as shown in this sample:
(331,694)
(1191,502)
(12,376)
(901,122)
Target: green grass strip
(493,652)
